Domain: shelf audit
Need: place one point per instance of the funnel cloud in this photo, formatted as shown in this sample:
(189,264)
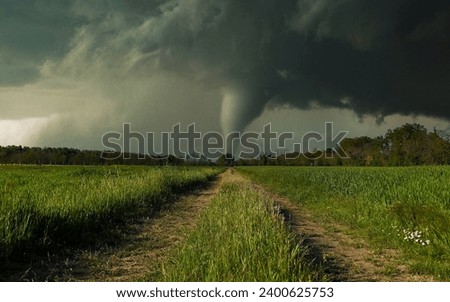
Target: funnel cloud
(84,68)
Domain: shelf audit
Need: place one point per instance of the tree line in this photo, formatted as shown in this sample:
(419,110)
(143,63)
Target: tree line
(69,156)
(410,144)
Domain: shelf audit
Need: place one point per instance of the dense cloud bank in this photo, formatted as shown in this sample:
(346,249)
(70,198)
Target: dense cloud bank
(149,62)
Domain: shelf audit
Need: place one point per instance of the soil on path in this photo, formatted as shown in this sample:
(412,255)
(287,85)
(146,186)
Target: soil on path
(149,243)
(145,244)
(137,251)
(343,257)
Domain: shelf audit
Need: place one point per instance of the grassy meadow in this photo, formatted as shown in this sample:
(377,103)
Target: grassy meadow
(403,208)
(41,206)
(240,237)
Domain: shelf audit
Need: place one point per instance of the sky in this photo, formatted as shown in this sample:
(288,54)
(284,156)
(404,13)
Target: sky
(72,70)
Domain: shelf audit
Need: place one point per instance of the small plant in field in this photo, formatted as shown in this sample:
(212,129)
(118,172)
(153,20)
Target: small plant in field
(415,237)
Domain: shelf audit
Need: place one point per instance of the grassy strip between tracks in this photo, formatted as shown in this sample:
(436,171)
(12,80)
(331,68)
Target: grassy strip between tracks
(240,237)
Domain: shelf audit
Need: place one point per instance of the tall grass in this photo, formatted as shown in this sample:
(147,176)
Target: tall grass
(405,208)
(40,206)
(240,237)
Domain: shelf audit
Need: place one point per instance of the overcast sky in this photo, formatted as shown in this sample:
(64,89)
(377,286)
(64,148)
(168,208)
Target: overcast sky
(72,70)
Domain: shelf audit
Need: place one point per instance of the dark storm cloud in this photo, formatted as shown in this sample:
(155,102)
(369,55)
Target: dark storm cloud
(374,57)
(385,57)
(31,32)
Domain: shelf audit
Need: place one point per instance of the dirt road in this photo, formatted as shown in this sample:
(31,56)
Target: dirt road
(145,244)
(343,257)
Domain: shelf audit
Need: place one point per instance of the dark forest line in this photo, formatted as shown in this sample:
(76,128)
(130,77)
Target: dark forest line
(410,144)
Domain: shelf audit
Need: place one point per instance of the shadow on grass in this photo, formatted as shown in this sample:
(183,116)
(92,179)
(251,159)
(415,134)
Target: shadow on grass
(61,260)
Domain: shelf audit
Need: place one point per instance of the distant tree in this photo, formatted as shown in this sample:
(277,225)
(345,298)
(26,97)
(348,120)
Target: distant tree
(226,160)
(438,149)
(407,145)
(411,144)
(365,151)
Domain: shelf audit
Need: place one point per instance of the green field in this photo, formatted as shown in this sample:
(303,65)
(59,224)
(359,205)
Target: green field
(406,209)
(41,206)
(240,235)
